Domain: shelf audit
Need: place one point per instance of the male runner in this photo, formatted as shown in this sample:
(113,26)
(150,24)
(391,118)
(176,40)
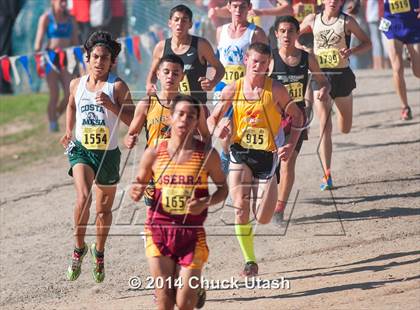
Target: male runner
(257,102)
(95,104)
(233,40)
(194,51)
(332,30)
(290,66)
(175,236)
(401,26)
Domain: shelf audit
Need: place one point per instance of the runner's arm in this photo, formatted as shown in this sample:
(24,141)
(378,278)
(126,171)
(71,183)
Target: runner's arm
(282,8)
(202,126)
(259,36)
(319,77)
(353,27)
(70,113)
(307,24)
(40,32)
(213,166)
(75,33)
(206,51)
(144,174)
(151,76)
(221,108)
(124,107)
(286,104)
(137,123)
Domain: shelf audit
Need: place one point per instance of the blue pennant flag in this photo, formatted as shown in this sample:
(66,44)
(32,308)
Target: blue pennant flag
(79,55)
(24,61)
(129,45)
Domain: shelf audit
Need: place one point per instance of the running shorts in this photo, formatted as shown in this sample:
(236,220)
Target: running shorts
(261,163)
(105,164)
(187,246)
(342,82)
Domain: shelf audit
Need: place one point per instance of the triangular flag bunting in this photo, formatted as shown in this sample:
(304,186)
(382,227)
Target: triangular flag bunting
(78,52)
(129,45)
(40,65)
(71,61)
(136,47)
(14,69)
(24,61)
(5,67)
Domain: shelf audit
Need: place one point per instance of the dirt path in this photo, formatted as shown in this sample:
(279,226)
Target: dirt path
(356,247)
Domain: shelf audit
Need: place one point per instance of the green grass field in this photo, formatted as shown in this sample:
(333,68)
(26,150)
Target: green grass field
(24,136)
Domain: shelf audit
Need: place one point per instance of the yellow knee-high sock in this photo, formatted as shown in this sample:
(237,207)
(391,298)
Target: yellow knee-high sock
(245,236)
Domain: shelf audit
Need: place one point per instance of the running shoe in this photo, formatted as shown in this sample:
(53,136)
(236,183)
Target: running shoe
(74,270)
(225,162)
(98,270)
(250,270)
(278,216)
(201,292)
(406,114)
(326,183)
(54,126)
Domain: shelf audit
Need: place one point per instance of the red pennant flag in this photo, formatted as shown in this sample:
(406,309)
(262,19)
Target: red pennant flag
(136,47)
(61,57)
(5,67)
(39,65)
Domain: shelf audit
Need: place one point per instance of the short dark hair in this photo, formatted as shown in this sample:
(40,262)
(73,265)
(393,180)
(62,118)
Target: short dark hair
(286,19)
(182,97)
(172,59)
(181,8)
(247,1)
(102,38)
(261,48)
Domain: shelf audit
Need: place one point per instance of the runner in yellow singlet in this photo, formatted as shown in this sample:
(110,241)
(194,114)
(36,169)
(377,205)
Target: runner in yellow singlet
(257,102)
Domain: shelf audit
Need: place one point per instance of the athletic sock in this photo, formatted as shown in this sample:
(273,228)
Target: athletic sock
(280,206)
(245,236)
(79,251)
(99,254)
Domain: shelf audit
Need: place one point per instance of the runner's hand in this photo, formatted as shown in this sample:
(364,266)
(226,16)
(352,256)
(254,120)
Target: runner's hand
(65,140)
(136,192)
(130,140)
(418,12)
(298,8)
(285,151)
(345,52)
(103,99)
(151,89)
(222,129)
(205,83)
(196,206)
(323,94)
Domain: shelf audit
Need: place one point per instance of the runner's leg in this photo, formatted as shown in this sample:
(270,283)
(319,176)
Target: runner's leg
(395,49)
(186,296)
(83,176)
(163,267)
(323,111)
(344,113)
(104,199)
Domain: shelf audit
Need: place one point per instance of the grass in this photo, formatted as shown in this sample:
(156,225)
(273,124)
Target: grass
(13,108)
(32,142)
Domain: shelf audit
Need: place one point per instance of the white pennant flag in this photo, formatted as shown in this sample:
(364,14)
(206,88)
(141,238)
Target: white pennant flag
(71,60)
(14,69)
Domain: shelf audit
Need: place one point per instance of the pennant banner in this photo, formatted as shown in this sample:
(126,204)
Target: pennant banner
(129,45)
(5,67)
(136,47)
(71,60)
(78,52)
(14,69)
(24,61)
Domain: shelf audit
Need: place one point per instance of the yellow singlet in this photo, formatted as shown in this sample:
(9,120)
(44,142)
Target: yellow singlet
(157,122)
(256,123)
